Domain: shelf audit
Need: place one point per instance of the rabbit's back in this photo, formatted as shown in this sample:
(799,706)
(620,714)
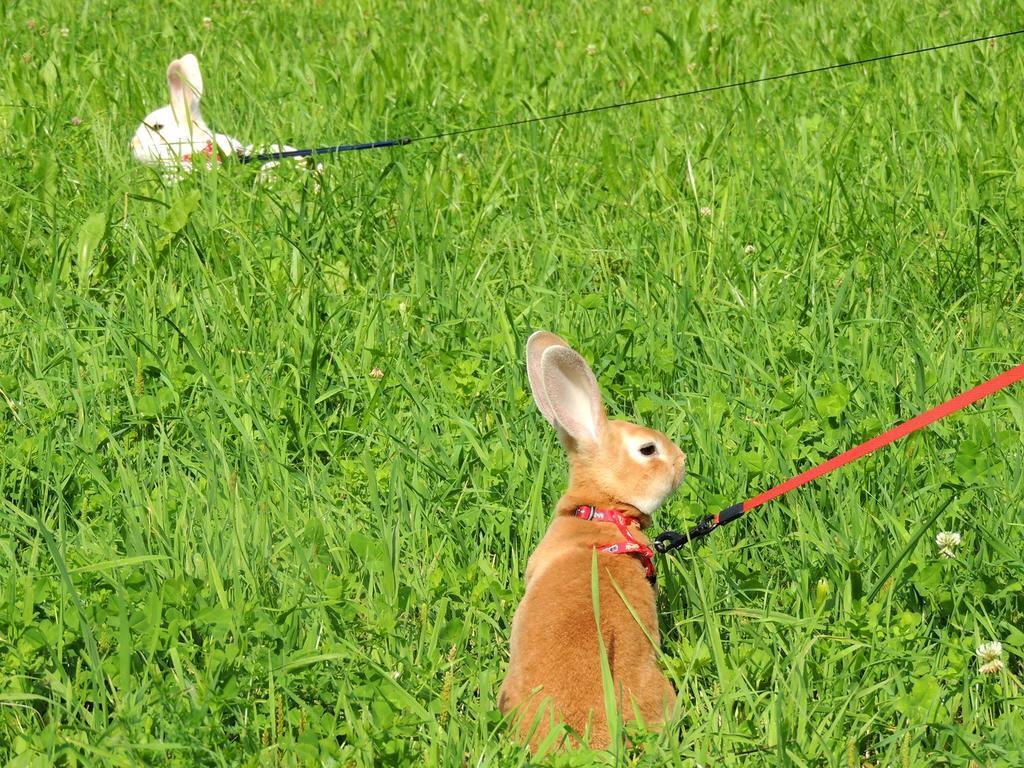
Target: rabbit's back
(555,656)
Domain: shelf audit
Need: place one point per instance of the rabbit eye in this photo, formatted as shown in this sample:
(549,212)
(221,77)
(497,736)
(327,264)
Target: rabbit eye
(648,449)
(156,127)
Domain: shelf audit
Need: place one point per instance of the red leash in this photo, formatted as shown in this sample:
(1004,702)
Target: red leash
(670,540)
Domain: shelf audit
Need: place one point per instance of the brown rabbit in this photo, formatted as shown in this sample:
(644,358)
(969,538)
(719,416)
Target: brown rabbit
(619,473)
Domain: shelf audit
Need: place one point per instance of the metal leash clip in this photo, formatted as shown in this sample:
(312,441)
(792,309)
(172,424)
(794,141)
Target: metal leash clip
(669,540)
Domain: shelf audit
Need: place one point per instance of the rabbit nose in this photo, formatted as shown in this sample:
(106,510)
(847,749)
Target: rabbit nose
(136,143)
(680,470)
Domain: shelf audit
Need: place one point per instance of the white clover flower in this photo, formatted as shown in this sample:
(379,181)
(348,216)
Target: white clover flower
(947,542)
(705,211)
(749,248)
(988,657)
(646,10)
(207,22)
(376,373)
(591,50)
(64,31)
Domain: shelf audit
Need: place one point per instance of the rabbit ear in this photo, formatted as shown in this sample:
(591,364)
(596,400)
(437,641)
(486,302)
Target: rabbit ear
(574,396)
(535,347)
(185,82)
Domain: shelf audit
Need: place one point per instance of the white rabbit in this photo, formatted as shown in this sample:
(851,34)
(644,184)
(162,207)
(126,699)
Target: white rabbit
(176,136)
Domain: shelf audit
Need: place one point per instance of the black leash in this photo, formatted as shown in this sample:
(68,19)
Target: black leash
(260,158)
(618,105)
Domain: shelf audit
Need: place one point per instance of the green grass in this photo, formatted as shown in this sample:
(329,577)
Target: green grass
(223,542)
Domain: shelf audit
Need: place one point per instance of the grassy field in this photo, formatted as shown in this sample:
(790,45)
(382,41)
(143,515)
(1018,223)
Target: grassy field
(224,540)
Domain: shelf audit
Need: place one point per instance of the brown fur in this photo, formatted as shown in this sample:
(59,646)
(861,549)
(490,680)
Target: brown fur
(554,674)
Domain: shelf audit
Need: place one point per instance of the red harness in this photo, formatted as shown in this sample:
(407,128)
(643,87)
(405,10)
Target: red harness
(207,150)
(628,547)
